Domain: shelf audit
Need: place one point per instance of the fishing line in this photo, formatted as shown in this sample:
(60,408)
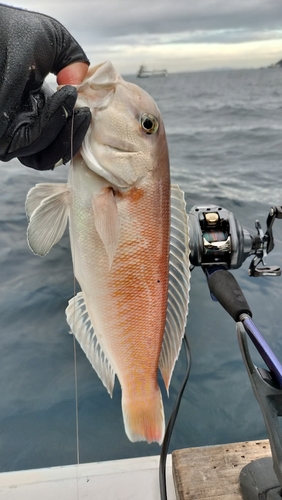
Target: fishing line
(170,425)
(74,341)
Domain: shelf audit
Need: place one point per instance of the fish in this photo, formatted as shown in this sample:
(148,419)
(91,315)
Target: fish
(129,241)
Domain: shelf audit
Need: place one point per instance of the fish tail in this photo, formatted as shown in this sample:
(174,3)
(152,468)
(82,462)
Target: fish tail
(144,418)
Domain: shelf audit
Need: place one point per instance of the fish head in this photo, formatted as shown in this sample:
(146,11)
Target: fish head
(126,139)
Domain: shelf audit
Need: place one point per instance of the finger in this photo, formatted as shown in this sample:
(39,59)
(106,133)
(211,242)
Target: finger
(73,74)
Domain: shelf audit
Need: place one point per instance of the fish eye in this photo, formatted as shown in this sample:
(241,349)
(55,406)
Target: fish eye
(149,123)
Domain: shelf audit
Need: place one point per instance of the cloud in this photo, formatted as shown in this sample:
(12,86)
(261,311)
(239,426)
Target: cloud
(121,28)
(113,18)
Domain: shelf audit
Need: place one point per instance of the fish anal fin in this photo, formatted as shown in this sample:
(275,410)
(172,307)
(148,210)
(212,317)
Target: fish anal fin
(48,210)
(179,285)
(81,327)
(107,220)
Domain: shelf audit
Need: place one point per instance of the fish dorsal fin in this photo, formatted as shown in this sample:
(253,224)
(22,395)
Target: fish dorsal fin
(179,285)
(106,220)
(81,327)
(47,207)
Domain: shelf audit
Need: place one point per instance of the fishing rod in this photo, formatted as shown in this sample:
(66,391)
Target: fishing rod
(219,243)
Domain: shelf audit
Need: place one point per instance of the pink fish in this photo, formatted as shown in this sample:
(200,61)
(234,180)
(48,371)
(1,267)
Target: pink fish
(129,240)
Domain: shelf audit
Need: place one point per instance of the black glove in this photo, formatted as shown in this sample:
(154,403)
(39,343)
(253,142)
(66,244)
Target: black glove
(47,130)
(36,126)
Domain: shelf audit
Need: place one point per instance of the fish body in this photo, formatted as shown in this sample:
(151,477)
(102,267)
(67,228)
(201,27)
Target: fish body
(129,242)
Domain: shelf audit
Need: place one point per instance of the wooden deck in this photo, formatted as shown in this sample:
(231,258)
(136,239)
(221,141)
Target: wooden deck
(212,472)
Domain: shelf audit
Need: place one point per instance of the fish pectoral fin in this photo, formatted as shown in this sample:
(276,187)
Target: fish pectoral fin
(39,192)
(107,221)
(48,207)
(179,285)
(81,327)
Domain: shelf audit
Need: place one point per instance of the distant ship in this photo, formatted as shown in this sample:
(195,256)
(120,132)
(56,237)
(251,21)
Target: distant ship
(145,73)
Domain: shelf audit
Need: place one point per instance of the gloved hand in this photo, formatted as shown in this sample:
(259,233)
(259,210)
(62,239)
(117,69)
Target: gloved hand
(46,130)
(37,126)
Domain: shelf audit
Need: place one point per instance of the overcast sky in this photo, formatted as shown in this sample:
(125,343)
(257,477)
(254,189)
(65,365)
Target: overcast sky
(179,35)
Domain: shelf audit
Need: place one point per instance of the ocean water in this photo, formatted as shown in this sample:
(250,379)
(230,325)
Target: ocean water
(224,133)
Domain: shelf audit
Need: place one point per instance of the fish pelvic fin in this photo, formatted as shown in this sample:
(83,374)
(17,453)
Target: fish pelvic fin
(179,285)
(107,220)
(81,327)
(144,418)
(47,208)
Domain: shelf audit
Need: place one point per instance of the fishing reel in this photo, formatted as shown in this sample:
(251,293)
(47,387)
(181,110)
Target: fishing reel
(218,239)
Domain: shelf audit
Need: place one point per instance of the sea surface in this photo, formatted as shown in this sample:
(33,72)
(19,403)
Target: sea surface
(224,132)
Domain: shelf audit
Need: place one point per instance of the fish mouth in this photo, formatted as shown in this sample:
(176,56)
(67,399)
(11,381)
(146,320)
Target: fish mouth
(120,147)
(100,158)
(94,163)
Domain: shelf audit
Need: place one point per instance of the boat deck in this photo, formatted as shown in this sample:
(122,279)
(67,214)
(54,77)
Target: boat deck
(204,473)
(134,479)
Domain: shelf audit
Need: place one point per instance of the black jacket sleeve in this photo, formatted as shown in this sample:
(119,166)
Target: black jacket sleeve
(31,46)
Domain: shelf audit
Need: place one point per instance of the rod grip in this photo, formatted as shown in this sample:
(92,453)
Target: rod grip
(226,290)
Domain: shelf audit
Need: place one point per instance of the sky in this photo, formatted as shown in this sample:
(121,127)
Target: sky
(178,35)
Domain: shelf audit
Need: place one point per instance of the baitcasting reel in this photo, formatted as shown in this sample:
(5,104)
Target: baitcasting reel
(217,238)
